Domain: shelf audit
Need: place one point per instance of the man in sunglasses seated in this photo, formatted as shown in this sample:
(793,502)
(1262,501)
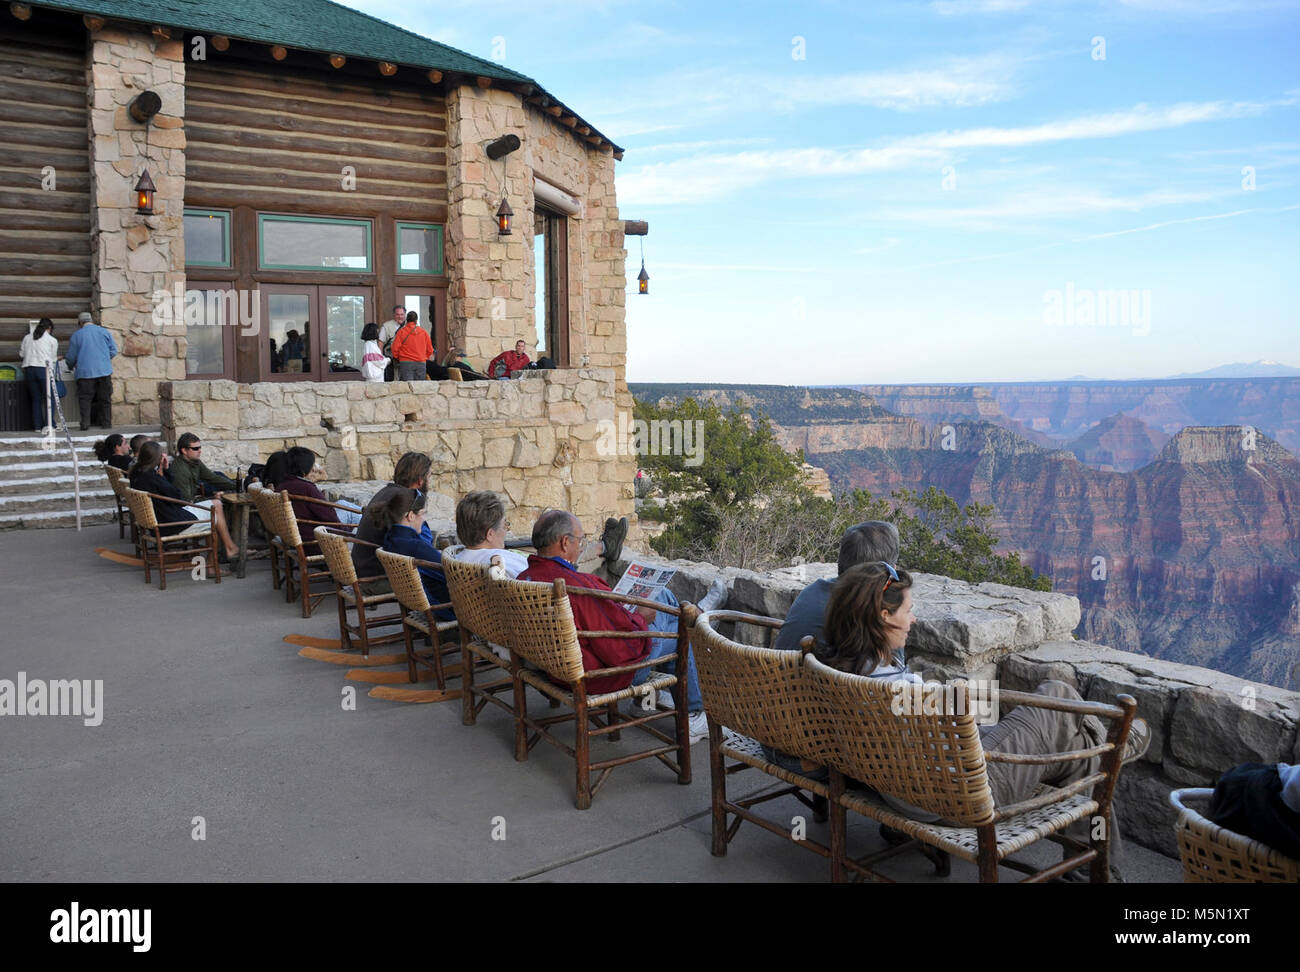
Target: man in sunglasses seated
(191,477)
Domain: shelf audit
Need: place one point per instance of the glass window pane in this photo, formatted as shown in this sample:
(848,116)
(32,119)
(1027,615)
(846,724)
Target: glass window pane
(345,317)
(419,248)
(207,239)
(289,331)
(307,244)
(540,272)
(205,320)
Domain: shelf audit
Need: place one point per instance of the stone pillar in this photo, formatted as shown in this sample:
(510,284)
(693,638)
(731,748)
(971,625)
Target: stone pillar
(134,256)
(488,308)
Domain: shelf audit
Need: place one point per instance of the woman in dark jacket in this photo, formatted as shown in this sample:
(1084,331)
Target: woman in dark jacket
(146,476)
(114,450)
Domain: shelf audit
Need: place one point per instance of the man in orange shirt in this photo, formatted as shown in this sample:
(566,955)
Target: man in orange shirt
(411,349)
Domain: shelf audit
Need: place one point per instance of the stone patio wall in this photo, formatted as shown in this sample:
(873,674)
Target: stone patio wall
(534,439)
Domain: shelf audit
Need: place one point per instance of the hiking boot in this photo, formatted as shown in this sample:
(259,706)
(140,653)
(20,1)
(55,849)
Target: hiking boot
(613,537)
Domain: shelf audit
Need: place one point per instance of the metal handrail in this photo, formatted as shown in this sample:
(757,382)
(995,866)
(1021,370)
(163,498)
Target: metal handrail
(54,405)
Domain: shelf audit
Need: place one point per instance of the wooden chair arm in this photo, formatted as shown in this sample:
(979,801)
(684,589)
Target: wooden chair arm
(165,499)
(757,619)
(1048,798)
(620,634)
(326,523)
(1080,707)
(630,667)
(182,522)
(1072,755)
(321,502)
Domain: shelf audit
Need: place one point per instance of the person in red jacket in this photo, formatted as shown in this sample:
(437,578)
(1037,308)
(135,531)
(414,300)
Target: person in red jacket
(559,539)
(508,362)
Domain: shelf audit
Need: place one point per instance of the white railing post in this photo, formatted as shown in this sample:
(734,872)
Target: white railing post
(52,405)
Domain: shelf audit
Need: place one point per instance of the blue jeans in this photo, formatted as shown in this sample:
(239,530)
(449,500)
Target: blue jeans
(666,625)
(36,395)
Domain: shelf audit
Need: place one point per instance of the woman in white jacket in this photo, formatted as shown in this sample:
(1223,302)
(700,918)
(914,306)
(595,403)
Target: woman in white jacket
(373,361)
(38,350)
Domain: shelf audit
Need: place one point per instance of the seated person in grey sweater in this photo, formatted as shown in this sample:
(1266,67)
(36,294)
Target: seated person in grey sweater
(867,543)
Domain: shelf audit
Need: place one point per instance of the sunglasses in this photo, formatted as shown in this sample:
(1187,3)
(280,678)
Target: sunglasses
(197,448)
(893,575)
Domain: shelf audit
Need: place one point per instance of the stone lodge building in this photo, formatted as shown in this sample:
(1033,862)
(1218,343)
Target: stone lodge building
(313,167)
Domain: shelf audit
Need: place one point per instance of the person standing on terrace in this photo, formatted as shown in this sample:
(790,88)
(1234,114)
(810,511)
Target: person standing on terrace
(411,349)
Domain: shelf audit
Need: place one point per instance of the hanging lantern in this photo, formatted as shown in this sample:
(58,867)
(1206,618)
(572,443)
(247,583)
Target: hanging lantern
(144,190)
(504,213)
(643,280)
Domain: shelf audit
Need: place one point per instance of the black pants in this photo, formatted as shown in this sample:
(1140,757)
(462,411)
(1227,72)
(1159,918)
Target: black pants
(95,401)
(36,395)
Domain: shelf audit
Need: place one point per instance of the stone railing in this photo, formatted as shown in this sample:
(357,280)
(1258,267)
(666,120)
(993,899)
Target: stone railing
(1203,722)
(541,439)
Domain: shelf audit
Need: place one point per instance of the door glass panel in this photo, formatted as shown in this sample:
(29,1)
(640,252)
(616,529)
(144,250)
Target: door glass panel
(540,271)
(345,318)
(205,329)
(422,304)
(289,332)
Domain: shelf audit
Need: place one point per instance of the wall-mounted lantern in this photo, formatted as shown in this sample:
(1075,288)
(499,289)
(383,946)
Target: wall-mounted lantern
(643,280)
(144,190)
(504,215)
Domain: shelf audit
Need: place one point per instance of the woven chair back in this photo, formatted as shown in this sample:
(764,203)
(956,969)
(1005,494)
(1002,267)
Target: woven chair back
(930,759)
(759,692)
(470,586)
(141,508)
(537,624)
(337,556)
(268,508)
(288,520)
(116,480)
(1215,855)
(404,579)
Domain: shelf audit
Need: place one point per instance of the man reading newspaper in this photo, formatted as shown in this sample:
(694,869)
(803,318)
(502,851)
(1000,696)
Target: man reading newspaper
(559,539)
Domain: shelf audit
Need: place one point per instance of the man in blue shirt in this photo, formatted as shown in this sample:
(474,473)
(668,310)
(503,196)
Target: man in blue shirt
(91,350)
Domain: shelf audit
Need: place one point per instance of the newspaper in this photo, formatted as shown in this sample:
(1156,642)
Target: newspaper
(644,581)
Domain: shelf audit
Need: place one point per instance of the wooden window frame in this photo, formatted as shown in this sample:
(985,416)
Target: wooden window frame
(368,225)
(229,331)
(401,224)
(555,269)
(227,219)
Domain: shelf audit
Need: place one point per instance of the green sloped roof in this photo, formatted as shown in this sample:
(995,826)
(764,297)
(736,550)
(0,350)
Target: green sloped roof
(311,25)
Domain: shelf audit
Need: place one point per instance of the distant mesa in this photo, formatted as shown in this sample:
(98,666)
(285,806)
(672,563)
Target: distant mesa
(1118,443)
(1246,369)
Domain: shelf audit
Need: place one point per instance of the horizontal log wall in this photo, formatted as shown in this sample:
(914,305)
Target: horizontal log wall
(279,141)
(44,234)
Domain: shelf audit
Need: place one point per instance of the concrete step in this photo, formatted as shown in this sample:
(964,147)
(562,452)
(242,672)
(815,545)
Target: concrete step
(48,480)
(27,503)
(19,457)
(57,518)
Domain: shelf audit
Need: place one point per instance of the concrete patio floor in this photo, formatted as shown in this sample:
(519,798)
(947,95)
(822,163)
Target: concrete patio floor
(208,712)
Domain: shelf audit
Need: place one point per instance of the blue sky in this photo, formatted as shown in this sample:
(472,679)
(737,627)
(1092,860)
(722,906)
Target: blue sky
(902,191)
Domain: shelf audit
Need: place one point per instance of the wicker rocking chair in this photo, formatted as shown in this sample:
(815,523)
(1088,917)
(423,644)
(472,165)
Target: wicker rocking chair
(118,481)
(418,614)
(936,762)
(538,628)
(169,552)
(760,693)
(269,507)
(1215,855)
(481,627)
(347,588)
(303,565)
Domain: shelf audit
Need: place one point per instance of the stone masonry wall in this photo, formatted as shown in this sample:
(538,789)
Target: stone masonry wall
(1203,722)
(534,439)
(135,255)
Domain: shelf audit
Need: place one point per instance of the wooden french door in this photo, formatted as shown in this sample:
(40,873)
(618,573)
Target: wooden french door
(313,332)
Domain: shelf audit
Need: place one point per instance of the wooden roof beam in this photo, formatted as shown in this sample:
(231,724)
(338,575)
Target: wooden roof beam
(279,52)
(636,227)
(435,76)
(337,61)
(221,42)
(387,68)
(21,11)
(92,23)
(483,82)
(162,33)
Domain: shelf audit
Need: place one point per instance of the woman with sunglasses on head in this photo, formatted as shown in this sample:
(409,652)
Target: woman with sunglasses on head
(867,622)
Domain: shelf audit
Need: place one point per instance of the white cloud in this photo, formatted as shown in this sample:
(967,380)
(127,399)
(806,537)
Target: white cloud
(950,8)
(704,177)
